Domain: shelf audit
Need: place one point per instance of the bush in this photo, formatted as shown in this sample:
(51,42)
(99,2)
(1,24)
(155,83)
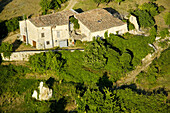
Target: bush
(6,49)
(164,33)
(153,31)
(75,22)
(95,54)
(144,18)
(12,24)
(130,26)
(167,18)
(161,8)
(46,61)
(152,8)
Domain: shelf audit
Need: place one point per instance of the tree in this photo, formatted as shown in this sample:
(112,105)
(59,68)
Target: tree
(164,33)
(75,22)
(6,49)
(167,18)
(152,8)
(119,1)
(46,61)
(94,54)
(45,5)
(153,31)
(97,2)
(144,18)
(94,101)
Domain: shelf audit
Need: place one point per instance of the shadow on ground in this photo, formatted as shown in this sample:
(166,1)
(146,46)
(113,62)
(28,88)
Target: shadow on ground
(16,44)
(3,3)
(59,106)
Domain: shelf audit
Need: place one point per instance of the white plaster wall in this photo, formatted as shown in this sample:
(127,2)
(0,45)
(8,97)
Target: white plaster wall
(122,29)
(85,30)
(42,41)
(22,26)
(64,33)
(32,33)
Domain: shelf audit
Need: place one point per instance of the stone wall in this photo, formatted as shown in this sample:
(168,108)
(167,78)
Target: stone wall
(24,55)
(134,21)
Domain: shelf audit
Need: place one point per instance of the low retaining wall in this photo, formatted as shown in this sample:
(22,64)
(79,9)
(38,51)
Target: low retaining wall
(24,55)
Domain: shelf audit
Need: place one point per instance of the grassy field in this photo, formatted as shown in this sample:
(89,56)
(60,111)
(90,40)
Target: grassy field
(124,7)
(20,7)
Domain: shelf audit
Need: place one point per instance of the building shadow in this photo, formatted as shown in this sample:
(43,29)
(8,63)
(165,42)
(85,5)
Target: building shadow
(16,44)
(58,106)
(50,82)
(79,10)
(113,12)
(3,31)
(104,82)
(134,88)
(3,3)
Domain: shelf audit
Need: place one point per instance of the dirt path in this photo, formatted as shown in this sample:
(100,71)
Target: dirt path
(70,5)
(145,63)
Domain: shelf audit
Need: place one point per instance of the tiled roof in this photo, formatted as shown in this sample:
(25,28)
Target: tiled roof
(98,19)
(59,18)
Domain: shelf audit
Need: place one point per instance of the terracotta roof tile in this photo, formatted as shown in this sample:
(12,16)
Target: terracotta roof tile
(98,19)
(59,18)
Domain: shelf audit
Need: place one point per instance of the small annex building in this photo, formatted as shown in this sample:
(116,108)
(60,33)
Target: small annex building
(55,29)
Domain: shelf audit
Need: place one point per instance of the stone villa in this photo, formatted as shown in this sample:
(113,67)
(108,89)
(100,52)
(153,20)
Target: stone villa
(53,30)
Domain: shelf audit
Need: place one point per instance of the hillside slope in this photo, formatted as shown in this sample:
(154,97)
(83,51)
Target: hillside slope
(18,8)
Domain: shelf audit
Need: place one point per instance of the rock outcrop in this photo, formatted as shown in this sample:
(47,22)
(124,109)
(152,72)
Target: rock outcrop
(44,93)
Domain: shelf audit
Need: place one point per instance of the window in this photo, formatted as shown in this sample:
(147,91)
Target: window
(48,42)
(56,41)
(58,34)
(42,35)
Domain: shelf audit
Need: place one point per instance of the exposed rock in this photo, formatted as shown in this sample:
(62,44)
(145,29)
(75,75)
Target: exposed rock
(35,94)
(44,94)
(134,21)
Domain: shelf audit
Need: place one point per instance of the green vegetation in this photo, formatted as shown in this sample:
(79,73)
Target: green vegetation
(45,5)
(6,49)
(158,69)
(75,22)
(9,26)
(144,18)
(164,33)
(50,4)
(130,26)
(46,61)
(153,31)
(121,100)
(95,54)
(167,18)
(90,86)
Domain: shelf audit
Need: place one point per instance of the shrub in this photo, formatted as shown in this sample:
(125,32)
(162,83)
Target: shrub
(167,18)
(130,26)
(46,61)
(161,8)
(75,22)
(144,18)
(164,33)
(153,31)
(6,49)
(12,24)
(152,8)
(95,54)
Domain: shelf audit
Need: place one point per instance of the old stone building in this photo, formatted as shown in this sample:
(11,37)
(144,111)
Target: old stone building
(96,22)
(55,29)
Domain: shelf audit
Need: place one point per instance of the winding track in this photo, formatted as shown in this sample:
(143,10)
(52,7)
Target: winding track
(70,5)
(145,63)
